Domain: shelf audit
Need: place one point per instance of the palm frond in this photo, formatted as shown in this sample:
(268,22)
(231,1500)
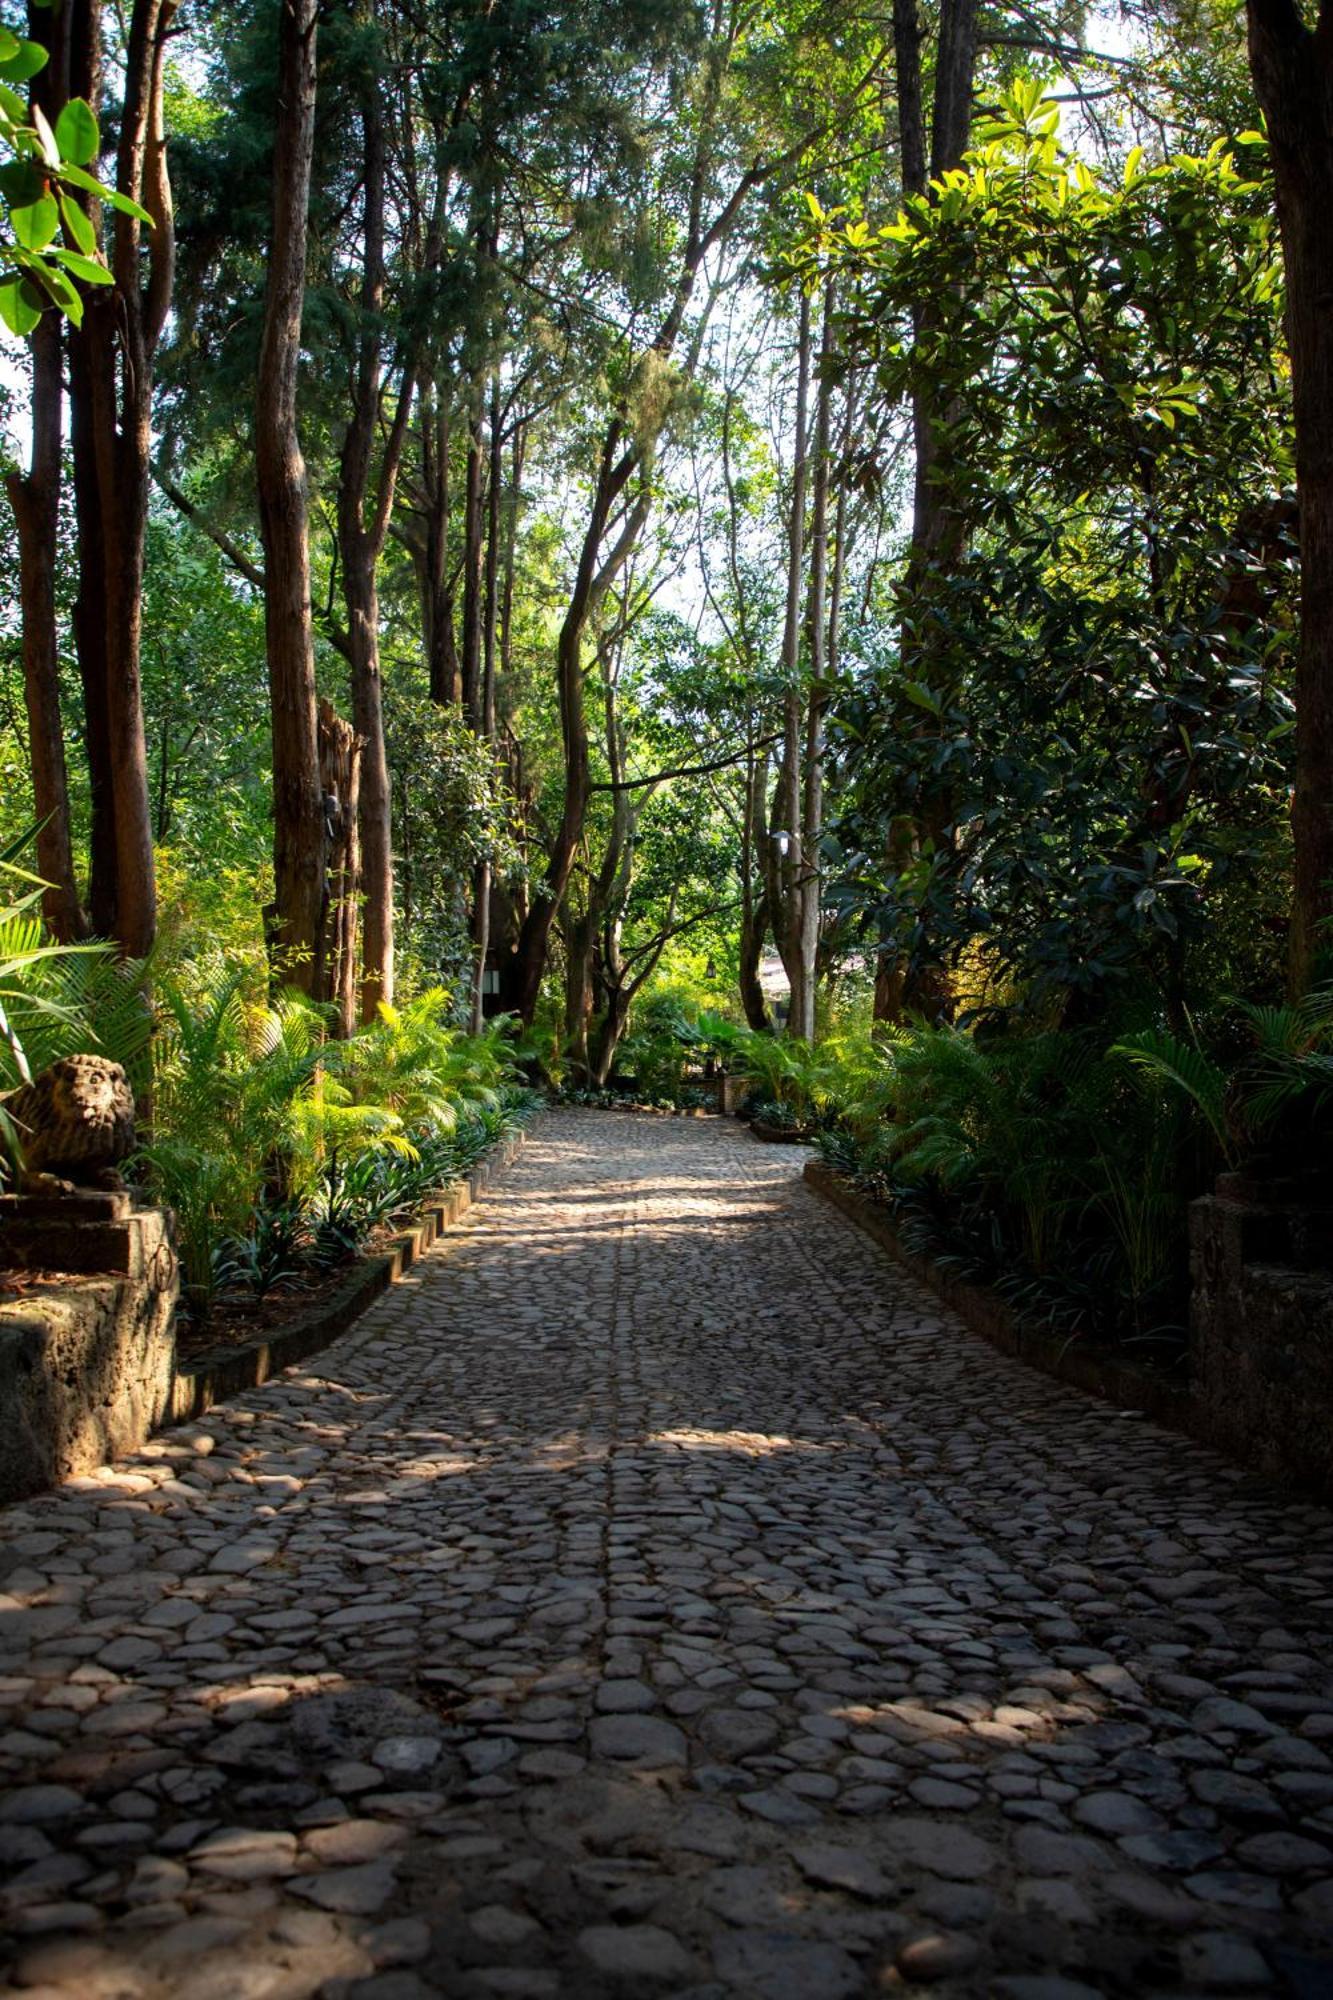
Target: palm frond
(1158,1054)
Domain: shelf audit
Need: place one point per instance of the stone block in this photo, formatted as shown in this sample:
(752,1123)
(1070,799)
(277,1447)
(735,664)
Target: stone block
(90,1234)
(732,1093)
(86,1368)
(1261,1335)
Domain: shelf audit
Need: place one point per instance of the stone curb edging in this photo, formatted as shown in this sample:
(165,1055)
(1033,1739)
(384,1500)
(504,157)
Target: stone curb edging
(212,1378)
(778,1135)
(1096,1374)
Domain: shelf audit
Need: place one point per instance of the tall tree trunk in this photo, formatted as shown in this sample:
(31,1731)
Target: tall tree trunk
(608,893)
(340,751)
(296,934)
(937,531)
(579,930)
(785,890)
(490,626)
(1293,75)
(754,907)
(90,640)
(609,1035)
(90,635)
(361,597)
(36,502)
(596,572)
(437,596)
(809,907)
(361,544)
(474,536)
(35,498)
(112,380)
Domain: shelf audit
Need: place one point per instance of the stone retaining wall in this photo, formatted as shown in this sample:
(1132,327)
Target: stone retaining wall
(88,1366)
(1261,1336)
(87,1362)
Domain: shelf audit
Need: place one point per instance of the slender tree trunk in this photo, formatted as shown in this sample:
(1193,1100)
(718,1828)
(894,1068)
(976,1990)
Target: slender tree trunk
(490,626)
(610,1034)
(786,898)
(112,377)
(296,936)
(1293,75)
(608,894)
(810,904)
(437,599)
(361,597)
(579,929)
(36,502)
(361,538)
(937,531)
(90,641)
(35,498)
(754,907)
(340,751)
(86,359)
(594,576)
(474,537)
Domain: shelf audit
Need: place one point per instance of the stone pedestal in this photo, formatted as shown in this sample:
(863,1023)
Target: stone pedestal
(1261,1327)
(87,1340)
(732,1092)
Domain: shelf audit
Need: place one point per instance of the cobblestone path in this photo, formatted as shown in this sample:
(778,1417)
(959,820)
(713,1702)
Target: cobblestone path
(657,1595)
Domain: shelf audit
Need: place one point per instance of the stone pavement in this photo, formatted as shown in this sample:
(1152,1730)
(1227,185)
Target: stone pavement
(656,1594)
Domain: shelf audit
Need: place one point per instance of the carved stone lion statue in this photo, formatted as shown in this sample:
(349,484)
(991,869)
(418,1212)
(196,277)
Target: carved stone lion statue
(75,1125)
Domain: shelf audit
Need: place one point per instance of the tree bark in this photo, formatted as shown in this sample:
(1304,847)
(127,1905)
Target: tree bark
(86,361)
(785,893)
(474,511)
(296,932)
(809,908)
(437,596)
(361,541)
(490,629)
(595,574)
(754,908)
(35,498)
(340,750)
(937,532)
(117,343)
(36,502)
(89,625)
(1293,76)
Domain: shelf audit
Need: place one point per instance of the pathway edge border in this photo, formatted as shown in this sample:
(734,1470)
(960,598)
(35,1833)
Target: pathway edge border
(1096,1374)
(212,1378)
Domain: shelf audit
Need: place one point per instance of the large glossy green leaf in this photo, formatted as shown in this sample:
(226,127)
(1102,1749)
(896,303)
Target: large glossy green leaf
(27,60)
(76,133)
(86,268)
(15,310)
(36,224)
(79,178)
(77,226)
